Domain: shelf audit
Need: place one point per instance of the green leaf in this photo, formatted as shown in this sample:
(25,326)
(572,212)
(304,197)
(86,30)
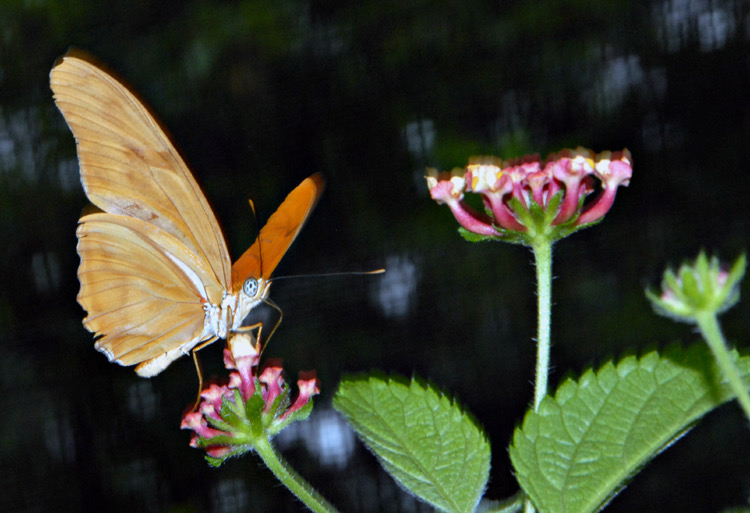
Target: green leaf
(423,439)
(581,447)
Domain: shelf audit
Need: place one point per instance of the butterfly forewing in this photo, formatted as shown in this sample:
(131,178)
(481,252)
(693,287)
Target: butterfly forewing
(128,165)
(260,260)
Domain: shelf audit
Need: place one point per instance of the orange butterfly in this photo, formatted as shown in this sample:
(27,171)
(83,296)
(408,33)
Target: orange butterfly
(156,278)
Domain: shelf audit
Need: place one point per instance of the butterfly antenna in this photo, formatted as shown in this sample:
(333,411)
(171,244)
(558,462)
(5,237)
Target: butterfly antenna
(327,275)
(322,275)
(255,218)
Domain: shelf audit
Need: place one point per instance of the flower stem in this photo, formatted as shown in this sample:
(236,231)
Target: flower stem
(543,256)
(289,477)
(711,332)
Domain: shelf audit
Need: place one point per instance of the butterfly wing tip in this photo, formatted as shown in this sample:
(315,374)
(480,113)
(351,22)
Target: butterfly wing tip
(320,181)
(110,356)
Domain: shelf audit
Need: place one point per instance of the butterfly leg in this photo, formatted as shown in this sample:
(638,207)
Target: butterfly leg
(276,325)
(260,342)
(198,369)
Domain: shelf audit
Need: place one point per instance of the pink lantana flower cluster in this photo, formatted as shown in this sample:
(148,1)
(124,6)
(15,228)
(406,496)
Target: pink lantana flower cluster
(231,418)
(526,199)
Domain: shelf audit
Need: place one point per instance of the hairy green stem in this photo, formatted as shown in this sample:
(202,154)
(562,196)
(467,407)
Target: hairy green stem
(543,260)
(543,256)
(287,475)
(711,331)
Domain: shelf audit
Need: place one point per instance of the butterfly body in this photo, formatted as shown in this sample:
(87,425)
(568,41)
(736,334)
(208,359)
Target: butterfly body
(156,277)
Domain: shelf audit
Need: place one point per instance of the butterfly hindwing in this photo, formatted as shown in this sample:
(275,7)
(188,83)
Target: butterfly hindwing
(139,298)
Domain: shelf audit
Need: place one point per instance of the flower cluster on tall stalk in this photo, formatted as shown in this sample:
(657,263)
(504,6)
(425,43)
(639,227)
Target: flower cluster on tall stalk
(527,201)
(534,203)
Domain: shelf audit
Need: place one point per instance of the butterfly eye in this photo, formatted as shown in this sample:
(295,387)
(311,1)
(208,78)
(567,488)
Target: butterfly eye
(250,287)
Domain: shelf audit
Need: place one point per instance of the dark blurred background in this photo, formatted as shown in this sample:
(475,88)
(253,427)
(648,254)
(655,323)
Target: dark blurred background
(260,94)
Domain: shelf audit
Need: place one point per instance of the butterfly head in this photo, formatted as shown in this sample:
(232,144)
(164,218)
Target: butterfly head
(253,292)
